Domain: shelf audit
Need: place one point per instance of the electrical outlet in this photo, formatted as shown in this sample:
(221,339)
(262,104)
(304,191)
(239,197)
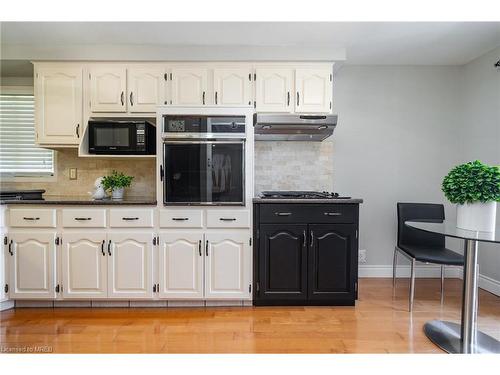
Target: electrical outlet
(362,256)
(73,174)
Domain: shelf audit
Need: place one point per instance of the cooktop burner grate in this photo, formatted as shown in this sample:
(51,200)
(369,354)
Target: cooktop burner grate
(300,195)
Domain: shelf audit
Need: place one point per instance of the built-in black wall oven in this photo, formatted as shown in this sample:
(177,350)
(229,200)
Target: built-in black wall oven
(203,160)
(122,137)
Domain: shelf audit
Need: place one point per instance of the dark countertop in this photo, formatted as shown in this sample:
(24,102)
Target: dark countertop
(332,201)
(85,201)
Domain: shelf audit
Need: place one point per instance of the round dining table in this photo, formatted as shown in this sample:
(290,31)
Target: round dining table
(450,336)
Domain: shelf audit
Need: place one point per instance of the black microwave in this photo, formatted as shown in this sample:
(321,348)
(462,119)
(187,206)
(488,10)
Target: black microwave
(122,137)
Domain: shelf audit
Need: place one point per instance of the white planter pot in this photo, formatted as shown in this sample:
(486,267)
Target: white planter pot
(477,216)
(117,194)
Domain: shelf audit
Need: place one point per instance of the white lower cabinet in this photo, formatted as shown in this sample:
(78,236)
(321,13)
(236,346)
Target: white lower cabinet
(181,265)
(84,267)
(32,265)
(227,265)
(130,265)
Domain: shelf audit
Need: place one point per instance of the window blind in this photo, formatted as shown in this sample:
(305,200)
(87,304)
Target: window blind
(18,154)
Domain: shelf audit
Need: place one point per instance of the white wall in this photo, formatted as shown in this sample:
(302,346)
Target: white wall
(396,139)
(480,134)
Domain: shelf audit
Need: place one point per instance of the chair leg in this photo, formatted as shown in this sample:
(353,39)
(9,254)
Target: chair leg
(394,263)
(442,284)
(412,285)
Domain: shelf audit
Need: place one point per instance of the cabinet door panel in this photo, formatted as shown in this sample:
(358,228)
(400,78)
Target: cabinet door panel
(108,85)
(274,90)
(232,86)
(283,262)
(32,265)
(84,267)
(313,90)
(189,86)
(130,265)
(331,261)
(58,105)
(181,265)
(227,265)
(146,87)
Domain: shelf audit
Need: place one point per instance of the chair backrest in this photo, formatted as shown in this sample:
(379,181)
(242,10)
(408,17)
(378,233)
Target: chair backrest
(423,212)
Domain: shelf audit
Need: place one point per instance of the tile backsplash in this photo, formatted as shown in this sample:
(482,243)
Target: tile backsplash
(293,166)
(88,170)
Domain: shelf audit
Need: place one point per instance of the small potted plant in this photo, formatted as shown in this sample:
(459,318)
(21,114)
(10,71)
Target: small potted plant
(475,188)
(116,182)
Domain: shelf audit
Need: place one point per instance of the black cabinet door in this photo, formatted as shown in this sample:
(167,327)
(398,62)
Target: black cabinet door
(283,262)
(331,263)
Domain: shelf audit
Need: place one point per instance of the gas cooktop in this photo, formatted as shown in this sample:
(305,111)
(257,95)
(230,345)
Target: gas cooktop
(300,195)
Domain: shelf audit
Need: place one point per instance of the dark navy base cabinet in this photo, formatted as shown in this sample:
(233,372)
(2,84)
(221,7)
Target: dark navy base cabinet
(305,254)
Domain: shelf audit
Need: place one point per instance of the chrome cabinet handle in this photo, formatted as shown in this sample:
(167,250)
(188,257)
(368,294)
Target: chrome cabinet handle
(109,248)
(227,219)
(83,218)
(131,98)
(206,248)
(130,218)
(199,247)
(31,218)
(10,247)
(288,99)
(203,97)
(77,130)
(283,213)
(305,238)
(333,213)
(312,238)
(122,98)
(298,100)
(216,97)
(180,218)
(102,248)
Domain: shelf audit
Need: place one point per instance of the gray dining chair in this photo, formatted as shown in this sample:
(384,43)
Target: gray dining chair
(419,246)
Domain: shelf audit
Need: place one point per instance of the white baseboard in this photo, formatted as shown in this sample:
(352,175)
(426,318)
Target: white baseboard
(489,284)
(6,305)
(427,271)
(422,271)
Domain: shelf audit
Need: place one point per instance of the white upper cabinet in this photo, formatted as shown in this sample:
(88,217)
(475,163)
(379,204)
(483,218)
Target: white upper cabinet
(130,265)
(232,86)
(274,90)
(146,89)
(108,88)
(189,86)
(227,265)
(313,90)
(84,264)
(58,104)
(181,265)
(32,265)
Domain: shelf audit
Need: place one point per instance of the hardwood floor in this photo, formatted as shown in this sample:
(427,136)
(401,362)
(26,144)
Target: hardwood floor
(378,324)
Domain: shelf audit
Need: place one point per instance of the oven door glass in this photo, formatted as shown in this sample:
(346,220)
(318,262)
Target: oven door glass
(204,172)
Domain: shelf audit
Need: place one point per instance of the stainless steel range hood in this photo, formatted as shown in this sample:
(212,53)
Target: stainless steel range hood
(293,127)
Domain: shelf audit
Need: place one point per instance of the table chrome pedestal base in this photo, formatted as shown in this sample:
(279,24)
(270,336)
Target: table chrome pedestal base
(446,335)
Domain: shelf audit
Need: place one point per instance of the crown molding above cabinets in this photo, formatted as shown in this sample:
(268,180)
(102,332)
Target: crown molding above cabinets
(67,94)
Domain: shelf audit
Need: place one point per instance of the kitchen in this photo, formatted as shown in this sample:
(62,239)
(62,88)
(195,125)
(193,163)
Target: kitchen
(250,186)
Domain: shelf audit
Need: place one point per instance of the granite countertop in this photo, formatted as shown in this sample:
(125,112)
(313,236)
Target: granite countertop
(84,201)
(285,200)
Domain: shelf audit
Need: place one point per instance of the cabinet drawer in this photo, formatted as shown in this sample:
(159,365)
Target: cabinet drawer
(228,219)
(127,218)
(84,218)
(175,218)
(308,213)
(32,218)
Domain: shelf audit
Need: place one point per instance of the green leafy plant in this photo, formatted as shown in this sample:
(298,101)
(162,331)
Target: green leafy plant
(116,180)
(472,182)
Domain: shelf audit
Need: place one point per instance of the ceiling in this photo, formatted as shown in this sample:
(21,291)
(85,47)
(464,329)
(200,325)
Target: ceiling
(370,43)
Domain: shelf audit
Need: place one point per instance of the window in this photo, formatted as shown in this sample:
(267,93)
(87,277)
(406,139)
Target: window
(19,156)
